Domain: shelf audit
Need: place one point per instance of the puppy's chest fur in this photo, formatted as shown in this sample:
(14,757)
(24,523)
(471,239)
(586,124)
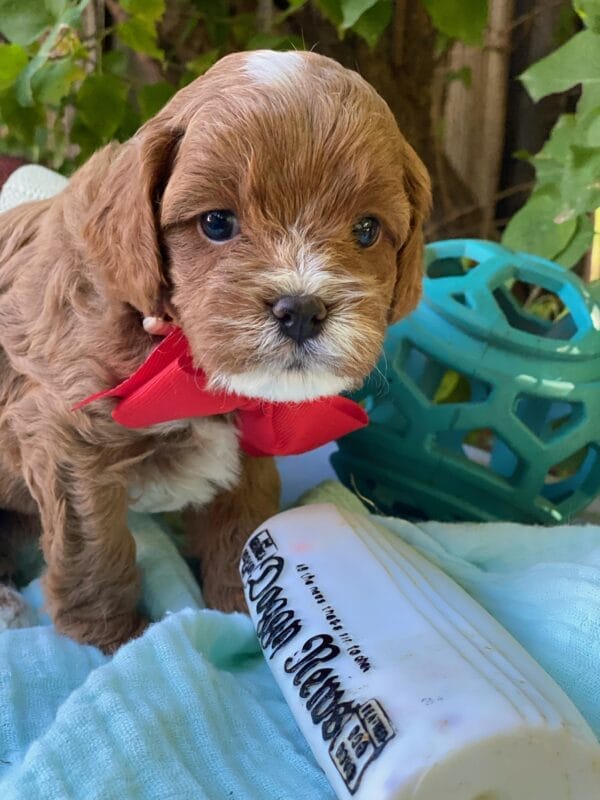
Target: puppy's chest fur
(203,462)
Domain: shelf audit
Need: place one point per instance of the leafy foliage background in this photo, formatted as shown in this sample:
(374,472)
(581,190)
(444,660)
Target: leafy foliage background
(557,222)
(75,74)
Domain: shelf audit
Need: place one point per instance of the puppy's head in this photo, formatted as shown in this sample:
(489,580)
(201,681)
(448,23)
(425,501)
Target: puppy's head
(275,208)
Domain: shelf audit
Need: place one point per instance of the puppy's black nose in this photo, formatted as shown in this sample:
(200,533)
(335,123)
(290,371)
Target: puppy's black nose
(300,317)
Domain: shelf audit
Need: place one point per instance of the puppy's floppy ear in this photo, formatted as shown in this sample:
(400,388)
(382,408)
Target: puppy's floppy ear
(407,291)
(121,231)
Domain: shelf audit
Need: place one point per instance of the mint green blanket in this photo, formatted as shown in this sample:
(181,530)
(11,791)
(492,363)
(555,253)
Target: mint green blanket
(191,710)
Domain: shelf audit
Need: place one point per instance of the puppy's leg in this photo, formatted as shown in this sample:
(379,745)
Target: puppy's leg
(218,533)
(14,611)
(91,583)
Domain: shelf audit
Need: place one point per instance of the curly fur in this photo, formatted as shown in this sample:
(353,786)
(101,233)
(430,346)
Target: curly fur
(299,161)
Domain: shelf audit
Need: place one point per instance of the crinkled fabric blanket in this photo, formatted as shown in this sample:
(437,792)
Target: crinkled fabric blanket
(191,710)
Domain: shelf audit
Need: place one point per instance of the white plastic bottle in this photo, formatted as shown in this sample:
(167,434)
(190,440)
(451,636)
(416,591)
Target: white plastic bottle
(403,685)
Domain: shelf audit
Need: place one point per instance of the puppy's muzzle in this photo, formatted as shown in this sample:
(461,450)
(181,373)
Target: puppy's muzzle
(300,317)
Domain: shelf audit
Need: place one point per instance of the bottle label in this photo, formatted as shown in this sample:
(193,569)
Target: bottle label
(313,648)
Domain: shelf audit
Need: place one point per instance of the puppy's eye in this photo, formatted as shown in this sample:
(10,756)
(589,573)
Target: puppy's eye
(219,225)
(366,231)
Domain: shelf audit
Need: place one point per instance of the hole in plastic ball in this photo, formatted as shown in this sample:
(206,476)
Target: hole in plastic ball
(442,383)
(566,477)
(548,419)
(534,309)
(483,448)
(450,267)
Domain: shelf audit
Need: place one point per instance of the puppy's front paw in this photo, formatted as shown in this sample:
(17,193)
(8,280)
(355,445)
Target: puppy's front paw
(106,634)
(14,611)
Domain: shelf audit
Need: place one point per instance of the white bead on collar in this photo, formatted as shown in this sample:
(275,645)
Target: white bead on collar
(157,326)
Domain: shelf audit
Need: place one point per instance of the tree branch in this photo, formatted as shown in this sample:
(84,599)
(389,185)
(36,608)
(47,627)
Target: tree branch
(398,32)
(264,15)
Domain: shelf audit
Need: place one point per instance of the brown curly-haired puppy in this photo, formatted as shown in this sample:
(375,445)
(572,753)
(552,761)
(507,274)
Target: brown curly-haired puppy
(276,175)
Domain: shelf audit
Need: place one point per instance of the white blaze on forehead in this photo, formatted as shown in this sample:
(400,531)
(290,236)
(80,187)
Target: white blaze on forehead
(273,68)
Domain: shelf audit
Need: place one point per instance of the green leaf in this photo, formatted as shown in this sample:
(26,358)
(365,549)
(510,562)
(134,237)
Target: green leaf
(374,22)
(129,125)
(331,10)
(293,7)
(23,21)
(266,41)
(580,186)
(576,62)
(23,85)
(590,98)
(152,97)
(141,36)
(116,62)
(221,26)
(139,31)
(549,163)
(242,28)
(60,35)
(72,14)
(571,129)
(533,230)
(588,128)
(101,104)
(368,18)
(88,140)
(459,19)
(21,122)
(580,243)
(589,11)
(568,164)
(269,41)
(150,10)
(352,10)
(56,7)
(198,66)
(55,80)
(13,59)
(561,136)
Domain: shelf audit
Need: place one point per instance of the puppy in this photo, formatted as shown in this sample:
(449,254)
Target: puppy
(273,212)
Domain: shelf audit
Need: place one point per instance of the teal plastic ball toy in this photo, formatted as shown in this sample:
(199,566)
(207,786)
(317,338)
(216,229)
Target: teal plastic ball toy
(483,408)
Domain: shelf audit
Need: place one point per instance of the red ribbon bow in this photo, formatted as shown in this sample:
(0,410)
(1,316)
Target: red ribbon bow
(167,387)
